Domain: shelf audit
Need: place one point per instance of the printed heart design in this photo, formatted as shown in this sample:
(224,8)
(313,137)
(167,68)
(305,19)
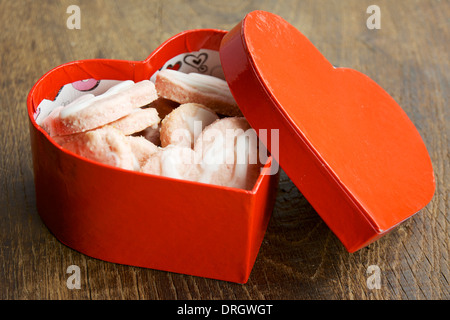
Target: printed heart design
(197,62)
(175,66)
(347,145)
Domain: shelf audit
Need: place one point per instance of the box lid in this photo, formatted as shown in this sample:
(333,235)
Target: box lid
(343,140)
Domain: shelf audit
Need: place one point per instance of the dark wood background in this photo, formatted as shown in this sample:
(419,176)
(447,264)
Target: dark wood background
(300,258)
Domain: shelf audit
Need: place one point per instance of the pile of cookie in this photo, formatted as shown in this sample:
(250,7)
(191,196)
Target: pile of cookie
(182,126)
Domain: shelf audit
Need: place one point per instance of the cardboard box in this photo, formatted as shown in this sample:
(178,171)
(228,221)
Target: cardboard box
(143,220)
(344,142)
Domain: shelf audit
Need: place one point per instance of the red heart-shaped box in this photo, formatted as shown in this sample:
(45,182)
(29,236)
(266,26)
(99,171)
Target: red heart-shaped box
(138,219)
(344,142)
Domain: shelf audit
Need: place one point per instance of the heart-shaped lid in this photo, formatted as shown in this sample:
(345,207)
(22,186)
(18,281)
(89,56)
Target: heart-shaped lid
(344,142)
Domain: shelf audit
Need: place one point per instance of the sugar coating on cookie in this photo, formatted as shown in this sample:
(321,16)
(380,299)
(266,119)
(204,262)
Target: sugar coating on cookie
(151,134)
(138,120)
(142,149)
(174,162)
(51,122)
(184,124)
(228,150)
(210,91)
(63,140)
(89,112)
(106,145)
(133,128)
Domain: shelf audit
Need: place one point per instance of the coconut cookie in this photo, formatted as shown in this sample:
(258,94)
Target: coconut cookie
(89,112)
(138,120)
(174,162)
(106,145)
(142,149)
(172,128)
(209,91)
(228,150)
(184,124)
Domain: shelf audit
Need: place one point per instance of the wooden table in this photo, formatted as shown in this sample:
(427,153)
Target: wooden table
(300,258)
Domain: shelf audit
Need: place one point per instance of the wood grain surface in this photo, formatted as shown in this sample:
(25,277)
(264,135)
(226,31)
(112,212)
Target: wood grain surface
(300,258)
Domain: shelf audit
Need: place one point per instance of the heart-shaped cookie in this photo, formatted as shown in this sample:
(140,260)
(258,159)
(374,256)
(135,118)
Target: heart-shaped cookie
(348,146)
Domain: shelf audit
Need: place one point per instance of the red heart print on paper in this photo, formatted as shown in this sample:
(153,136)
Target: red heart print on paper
(175,66)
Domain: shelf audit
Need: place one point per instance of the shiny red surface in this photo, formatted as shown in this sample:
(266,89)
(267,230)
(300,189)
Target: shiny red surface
(346,144)
(138,219)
